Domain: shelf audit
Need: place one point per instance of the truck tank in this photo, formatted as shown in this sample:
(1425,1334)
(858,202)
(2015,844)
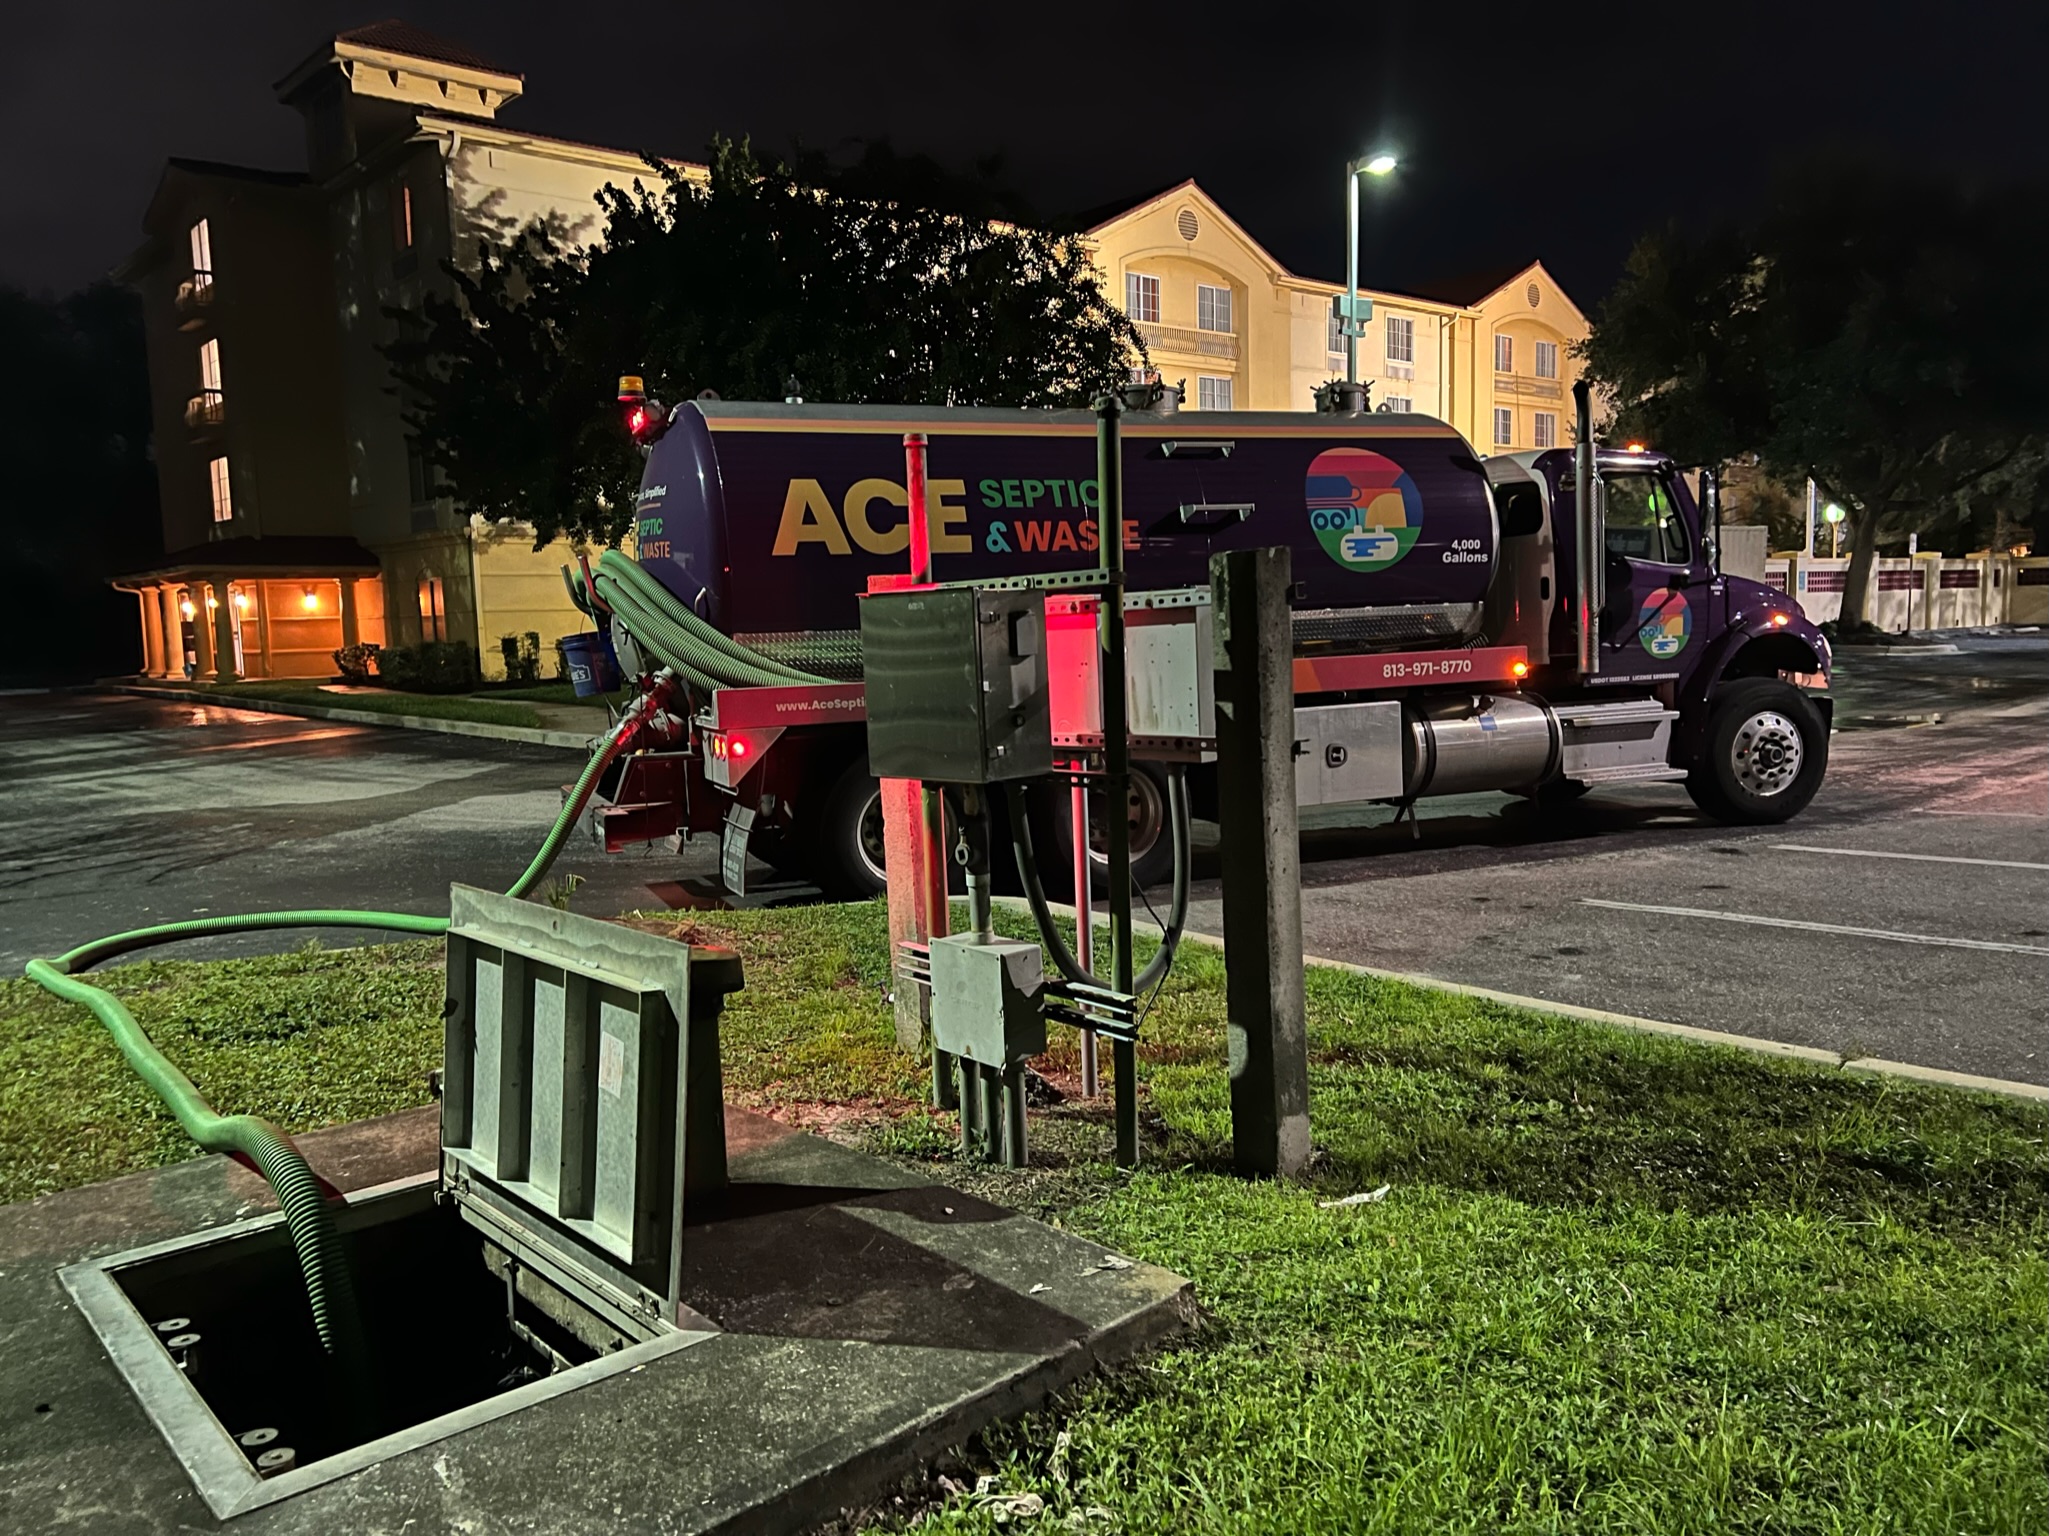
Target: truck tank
(768,519)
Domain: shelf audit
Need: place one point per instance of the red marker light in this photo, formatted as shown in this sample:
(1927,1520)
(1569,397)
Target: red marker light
(1518,669)
(739,748)
(1780,620)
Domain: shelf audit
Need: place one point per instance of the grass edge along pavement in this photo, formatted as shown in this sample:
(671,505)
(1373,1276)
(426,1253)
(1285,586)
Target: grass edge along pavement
(1618,1282)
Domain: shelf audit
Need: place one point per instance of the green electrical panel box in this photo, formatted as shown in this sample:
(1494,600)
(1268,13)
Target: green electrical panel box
(987,999)
(955,679)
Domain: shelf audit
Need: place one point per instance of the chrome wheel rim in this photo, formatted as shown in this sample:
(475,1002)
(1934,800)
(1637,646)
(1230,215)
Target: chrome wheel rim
(1145,814)
(868,839)
(1767,754)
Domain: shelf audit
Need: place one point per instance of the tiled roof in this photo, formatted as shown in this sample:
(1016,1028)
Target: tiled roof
(396,36)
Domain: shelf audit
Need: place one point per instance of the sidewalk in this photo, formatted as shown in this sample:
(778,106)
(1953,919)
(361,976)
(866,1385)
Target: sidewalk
(569,727)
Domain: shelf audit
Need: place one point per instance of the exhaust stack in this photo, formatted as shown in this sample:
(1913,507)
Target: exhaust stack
(1589,559)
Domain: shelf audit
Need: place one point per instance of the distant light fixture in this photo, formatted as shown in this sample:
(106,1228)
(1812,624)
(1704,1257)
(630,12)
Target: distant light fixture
(186,609)
(242,601)
(310,601)
(212,602)
(1379,165)
(1833,513)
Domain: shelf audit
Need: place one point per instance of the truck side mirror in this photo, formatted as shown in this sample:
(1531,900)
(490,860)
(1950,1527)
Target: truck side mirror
(1520,510)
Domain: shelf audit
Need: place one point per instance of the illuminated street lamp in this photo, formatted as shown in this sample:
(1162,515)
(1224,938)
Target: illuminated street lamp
(1833,515)
(1374,165)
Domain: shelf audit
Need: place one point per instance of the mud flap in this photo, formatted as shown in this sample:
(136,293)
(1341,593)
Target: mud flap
(739,826)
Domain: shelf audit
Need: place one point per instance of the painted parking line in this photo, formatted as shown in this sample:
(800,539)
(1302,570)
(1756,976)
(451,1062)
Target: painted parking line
(1919,858)
(1787,922)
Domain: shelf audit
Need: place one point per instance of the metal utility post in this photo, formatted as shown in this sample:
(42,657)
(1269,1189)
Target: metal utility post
(1084,927)
(1116,753)
(933,915)
(1351,271)
(1262,877)
(1589,559)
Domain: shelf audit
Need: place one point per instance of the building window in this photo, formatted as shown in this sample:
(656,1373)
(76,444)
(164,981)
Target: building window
(1401,340)
(1547,359)
(223,501)
(1142,298)
(1397,405)
(419,477)
(1504,354)
(433,624)
(1504,427)
(1212,394)
(1544,430)
(1212,308)
(210,374)
(202,256)
(402,217)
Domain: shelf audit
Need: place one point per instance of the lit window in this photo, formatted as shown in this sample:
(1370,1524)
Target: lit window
(1544,428)
(1547,359)
(432,623)
(223,502)
(1504,427)
(1212,394)
(402,217)
(1212,308)
(1504,354)
(202,255)
(1401,340)
(1142,298)
(210,372)
(1397,405)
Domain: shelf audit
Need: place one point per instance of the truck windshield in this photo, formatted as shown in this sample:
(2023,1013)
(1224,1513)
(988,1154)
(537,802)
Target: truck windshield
(1643,520)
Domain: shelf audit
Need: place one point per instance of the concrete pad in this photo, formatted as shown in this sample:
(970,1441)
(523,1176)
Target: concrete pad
(865,1320)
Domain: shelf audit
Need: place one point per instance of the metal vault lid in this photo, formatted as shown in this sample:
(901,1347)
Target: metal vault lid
(580,1100)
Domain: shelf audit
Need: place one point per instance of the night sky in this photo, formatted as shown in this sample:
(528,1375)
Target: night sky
(1548,130)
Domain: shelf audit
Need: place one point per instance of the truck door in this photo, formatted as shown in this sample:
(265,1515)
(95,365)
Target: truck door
(1657,578)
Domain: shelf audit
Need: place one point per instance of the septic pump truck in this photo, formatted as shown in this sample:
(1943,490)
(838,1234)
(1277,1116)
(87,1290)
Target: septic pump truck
(1540,623)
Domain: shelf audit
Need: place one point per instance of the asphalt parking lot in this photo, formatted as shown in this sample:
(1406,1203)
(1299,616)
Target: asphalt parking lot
(1905,915)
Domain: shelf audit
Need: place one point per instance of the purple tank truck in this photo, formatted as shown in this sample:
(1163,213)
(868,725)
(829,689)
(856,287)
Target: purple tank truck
(1443,643)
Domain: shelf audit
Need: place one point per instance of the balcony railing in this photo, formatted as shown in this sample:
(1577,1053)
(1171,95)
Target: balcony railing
(205,410)
(1190,343)
(195,294)
(1517,386)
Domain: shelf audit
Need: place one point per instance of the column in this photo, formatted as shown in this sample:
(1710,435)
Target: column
(348,611)
(152,633)
(223,630)
(202,631)
(169,596)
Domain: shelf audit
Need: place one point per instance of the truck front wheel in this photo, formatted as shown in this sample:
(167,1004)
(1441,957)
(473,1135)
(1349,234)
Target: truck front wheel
(1764,754)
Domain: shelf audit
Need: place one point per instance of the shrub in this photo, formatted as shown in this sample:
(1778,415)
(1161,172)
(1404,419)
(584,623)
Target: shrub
(355,661)
(522,655)
(438,666)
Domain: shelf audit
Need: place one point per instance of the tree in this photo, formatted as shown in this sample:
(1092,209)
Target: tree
(1874,329)
(764,273)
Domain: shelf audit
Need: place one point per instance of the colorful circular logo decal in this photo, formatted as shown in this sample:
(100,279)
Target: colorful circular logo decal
(1664,623)
(1364,508)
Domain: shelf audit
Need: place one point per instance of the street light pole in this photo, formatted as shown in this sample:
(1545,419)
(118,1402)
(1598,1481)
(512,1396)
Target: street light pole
(1351,271)
(1375,165)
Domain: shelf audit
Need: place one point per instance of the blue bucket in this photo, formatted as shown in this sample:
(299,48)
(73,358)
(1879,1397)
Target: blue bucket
(593,669)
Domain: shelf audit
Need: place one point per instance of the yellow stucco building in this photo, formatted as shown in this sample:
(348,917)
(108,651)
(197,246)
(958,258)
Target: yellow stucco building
(301,517)
(1493,356)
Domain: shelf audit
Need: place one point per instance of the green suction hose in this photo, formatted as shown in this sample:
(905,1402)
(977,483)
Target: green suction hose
(308,1218)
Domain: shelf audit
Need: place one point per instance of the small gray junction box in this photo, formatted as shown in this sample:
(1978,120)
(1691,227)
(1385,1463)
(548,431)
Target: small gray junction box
(986,999)
(956,685)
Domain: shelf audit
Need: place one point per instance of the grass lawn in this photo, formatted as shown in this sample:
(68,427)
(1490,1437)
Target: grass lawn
(1619,1284)
(549,693)
(432,706)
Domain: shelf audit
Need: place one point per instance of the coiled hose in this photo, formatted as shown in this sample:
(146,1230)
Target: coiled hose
(663,624)
(330,1291)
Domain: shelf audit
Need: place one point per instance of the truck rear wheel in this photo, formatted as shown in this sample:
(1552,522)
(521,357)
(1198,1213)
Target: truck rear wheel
(1764,755)
(846,840)
(1152,835)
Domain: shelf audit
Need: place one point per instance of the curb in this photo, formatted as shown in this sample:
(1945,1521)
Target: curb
(1876,1066)
(570,741)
